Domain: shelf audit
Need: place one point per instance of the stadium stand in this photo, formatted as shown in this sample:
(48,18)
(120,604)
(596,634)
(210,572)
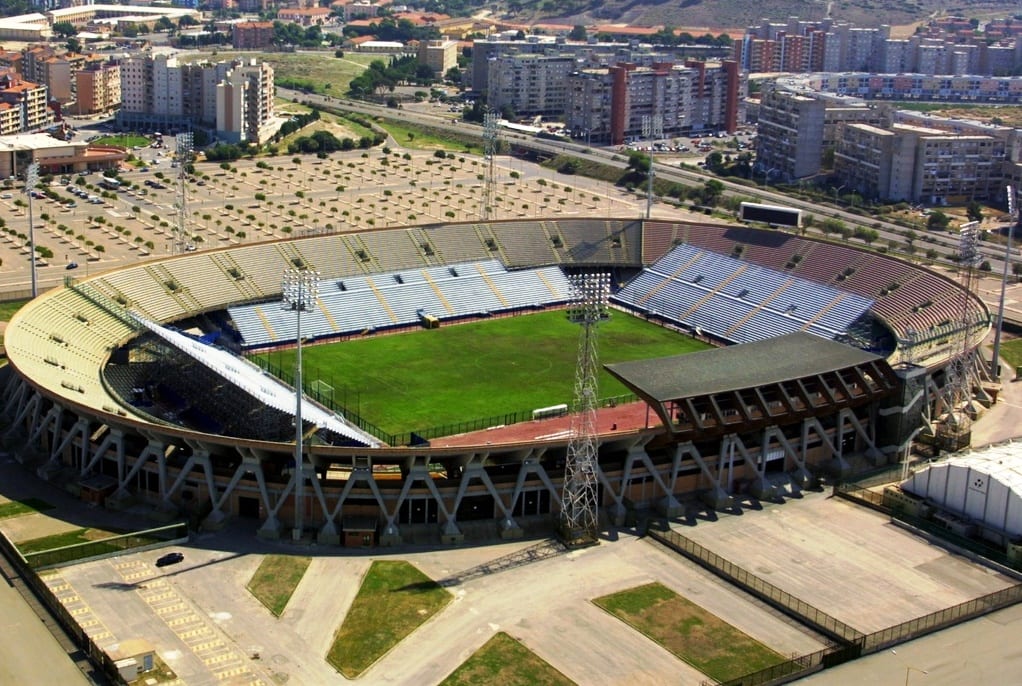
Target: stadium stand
(396,299)
(736,301)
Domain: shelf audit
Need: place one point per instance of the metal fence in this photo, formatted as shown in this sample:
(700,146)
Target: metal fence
(138,540)
(314,388)
(758,587)
(96,655)
(851,643)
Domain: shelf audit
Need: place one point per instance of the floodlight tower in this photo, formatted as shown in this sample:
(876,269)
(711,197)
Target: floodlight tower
(955,429)
(579,516)
(652,130)
(299,292)
(31,180)
(184,144)
(995,361)
(490,130)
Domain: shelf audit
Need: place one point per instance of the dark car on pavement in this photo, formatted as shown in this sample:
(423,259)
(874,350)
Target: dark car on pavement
(169,559)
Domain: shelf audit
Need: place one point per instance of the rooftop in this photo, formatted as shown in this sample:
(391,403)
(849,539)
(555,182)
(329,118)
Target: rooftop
(784,358)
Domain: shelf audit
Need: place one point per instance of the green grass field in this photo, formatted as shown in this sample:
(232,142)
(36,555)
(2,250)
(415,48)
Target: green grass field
(700,638)
(394,600)
(423,379)
(276,579)
(503,660)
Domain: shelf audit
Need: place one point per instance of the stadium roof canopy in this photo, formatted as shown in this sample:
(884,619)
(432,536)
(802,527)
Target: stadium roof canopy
(784,358)
(759,384)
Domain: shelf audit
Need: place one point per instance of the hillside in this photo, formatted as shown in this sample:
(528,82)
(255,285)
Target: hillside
(732,14)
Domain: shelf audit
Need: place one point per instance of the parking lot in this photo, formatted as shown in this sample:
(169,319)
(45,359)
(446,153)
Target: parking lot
(82,223)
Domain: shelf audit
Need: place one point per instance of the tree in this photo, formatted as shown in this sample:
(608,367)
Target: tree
(974,211)
(638,162)
(64,29)
(164,24)
(712,191)
(74,45)
(831,225)
(715,162)
(937,221)
(577,33)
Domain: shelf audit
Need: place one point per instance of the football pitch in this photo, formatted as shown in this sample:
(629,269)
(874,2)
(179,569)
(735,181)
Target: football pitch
(422,379)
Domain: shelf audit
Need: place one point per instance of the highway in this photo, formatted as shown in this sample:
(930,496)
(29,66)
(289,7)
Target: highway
(946,244)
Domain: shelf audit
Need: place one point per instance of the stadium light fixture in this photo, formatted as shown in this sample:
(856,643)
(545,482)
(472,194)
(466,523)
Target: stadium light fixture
(299,291)
(31,180)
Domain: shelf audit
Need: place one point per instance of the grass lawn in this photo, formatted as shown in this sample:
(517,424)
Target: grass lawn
(503,660)
(1011,351)
(394,600)
(419,138)
(67,538)
(125,140)
(7,309)
(276,579)
(322,72)
(703,640)
(462,372)
(16,508)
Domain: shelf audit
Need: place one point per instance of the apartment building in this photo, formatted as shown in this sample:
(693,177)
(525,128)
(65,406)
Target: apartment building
(98,88)
(439,55)
(831,46)
(28,101)
(252,35)
(160,93)
(620,103)
(921,164)
(530,85)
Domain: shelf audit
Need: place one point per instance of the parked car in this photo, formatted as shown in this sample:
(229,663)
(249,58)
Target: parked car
(169,559)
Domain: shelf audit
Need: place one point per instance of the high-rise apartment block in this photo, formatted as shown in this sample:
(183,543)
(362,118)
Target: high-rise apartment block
(603,90)
(615,104)
(882,153)
(158,92)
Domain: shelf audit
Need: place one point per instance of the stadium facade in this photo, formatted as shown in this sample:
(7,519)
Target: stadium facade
(833,361)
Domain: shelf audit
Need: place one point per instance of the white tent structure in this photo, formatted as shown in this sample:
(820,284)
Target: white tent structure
(983,488)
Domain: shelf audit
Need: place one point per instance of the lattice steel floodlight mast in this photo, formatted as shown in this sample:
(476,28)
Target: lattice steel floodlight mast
(31,181)
(299,291)
(956,428)
(184,143)
(490,131)
(579,515)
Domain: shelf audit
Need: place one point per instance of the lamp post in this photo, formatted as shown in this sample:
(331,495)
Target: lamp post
(31,179)
(837,191)
(652,129)
(299,291)
(995,361)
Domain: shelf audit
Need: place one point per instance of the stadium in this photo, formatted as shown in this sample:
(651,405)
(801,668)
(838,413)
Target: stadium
(133,388)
